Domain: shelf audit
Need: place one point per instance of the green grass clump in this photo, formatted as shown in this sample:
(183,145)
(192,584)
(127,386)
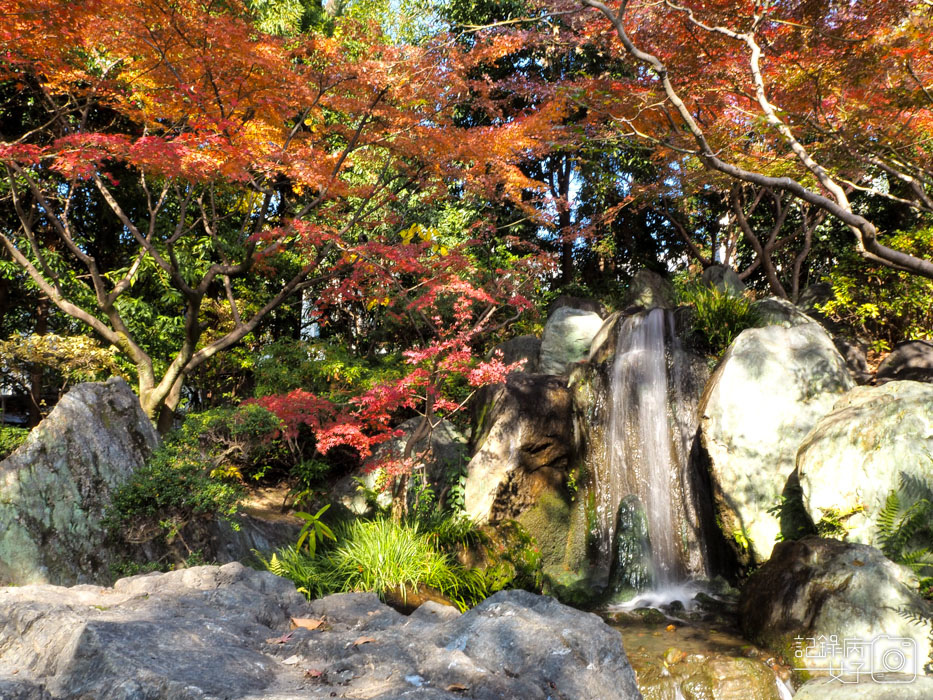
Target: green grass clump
(718,316)
(380,556)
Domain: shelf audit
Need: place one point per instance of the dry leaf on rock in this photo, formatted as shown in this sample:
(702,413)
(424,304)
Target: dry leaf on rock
(280,640)
(308,623)
(363,640)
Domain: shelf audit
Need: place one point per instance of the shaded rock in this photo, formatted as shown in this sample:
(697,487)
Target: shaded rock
(853,352)
(853,457)
(888,687)
(770,388)
(911,360)
(568,334)
(815,295)
(524,347)
(525,443)
(444,454)
(578,303)
(723,278)
(774,311)
(55,488)
(220,632)
(650,290)
(815,587)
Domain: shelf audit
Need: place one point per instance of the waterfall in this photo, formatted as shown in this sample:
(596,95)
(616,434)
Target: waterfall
(647,524)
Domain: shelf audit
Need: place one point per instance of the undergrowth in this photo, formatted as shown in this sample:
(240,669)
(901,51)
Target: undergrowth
(380,556)
(718,316)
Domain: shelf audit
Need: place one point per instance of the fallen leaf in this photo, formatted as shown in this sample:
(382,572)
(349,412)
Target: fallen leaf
(308,623)
(457,687)
(280,640)
(363,640)
(313,673)
(671,628)
(291,660)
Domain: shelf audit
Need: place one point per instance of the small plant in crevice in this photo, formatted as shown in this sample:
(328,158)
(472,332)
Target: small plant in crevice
(905,528)
(718,316)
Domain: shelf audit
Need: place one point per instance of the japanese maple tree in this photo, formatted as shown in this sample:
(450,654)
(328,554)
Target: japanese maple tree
(172,145)
(815,99)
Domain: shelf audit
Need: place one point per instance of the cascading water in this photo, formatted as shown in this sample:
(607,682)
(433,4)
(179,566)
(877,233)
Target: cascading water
(647,521)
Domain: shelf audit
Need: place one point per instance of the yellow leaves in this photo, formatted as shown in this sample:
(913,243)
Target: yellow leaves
(426,235)
(379,301)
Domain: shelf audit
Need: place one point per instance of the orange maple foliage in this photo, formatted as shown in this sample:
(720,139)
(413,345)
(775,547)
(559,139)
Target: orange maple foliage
(256,143)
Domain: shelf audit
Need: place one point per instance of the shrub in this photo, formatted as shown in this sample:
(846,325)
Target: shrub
(174,487)
(884,305)
(10,439)
(718,317)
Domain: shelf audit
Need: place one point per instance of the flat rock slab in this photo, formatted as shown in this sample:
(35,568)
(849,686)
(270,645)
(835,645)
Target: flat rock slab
(212,632)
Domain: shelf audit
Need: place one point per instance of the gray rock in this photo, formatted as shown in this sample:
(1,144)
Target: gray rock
(820,587)
(723,278)
(222,632)
(853,457)
(524,347)
(853,352)
(911,360)
(774,311)
(447,456)
(889,687)
(55,487)
(579,303)
(770,388)
(568,334)
(815,295)
(525,444)
(650,290)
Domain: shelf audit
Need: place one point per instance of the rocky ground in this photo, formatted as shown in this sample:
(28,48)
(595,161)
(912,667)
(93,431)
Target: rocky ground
(233,633)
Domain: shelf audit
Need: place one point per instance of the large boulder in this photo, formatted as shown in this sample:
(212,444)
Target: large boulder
(567,336)
(525,443)
(649,290)
(815,592)
(723,278)
(911,360)
(770,388)
(523,347)
(579,303)
(774,311)
(221,632)
(55,488)
(854,456)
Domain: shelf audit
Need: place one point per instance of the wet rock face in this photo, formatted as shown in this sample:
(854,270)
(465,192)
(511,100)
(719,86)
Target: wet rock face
(220,632)
(911,360)
(526,441)
(854,456)
(55,487)
(815,587)
(769,390)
